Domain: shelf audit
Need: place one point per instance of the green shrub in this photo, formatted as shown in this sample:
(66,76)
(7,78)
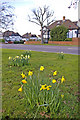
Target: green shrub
(68,39)
(19,42)
(59,33)
(16,42)
(2,40)
(31,39)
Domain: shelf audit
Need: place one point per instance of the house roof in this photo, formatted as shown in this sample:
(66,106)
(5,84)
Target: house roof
(33,35)
(27,35)
(39,36)
(7,33)
(10,33)
(67,23)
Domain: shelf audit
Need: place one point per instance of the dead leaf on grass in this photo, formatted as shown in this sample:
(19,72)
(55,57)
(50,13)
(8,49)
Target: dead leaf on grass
(64,102)
(42,114)
(47,116)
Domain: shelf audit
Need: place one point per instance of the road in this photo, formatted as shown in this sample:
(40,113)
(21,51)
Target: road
(44,48)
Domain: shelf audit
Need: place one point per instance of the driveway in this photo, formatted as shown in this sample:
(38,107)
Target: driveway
(44,48)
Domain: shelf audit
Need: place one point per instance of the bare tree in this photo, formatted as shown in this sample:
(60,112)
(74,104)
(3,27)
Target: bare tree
(74,4)
(6,16)
(41,16)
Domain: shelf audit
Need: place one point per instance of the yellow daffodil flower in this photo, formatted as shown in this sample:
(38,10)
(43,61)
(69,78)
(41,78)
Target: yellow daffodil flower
(47,88)
(10,58)
(62,95)
(43,87)
(40,88)
(53,81)
(23,75)
(41,68)
(62,79)
(28,56)
(55,73)
(24,81)
(20,89)
(30,73)
(21,55)
(17,57)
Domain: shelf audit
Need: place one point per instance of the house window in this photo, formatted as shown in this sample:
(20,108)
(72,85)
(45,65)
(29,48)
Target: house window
(75,32)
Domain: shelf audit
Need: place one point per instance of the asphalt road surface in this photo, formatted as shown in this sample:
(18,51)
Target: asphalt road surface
(44,48)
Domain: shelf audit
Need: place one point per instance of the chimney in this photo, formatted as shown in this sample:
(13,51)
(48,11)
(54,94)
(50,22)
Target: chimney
(63,18)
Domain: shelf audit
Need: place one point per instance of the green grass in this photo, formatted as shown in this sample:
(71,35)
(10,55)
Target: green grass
(55,45)
(13,102)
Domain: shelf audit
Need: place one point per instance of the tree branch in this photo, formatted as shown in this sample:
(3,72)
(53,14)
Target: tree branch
(34,22)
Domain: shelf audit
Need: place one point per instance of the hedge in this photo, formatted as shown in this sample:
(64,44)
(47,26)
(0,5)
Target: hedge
(59,33)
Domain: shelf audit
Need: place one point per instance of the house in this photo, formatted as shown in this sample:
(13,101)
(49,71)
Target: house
(26,36)
(73,28)
(30,36)
(11,36)
(39,37)
(33,37)
(15,37)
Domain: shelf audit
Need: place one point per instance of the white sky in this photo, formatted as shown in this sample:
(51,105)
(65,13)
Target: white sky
(24,7)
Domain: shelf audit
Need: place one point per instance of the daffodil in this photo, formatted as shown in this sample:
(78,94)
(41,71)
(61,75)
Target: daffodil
(55,73)
(30,73)
(23,75)
(43,87)
(53,81)
(24,81)
(10,58)
(20,89)
(62,95)
(62,79)
(47,88)
(28,56)
(41,68)
(17,57)
(21,55)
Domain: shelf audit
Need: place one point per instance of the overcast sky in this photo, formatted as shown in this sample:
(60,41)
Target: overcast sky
(24,7)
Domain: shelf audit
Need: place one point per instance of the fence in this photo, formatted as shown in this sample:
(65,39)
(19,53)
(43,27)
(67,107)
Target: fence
(75,41)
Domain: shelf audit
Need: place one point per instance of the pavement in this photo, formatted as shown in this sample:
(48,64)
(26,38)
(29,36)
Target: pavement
(44,48)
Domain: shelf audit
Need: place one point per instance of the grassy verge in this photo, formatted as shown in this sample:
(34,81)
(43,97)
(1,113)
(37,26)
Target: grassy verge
(13,102)
(55,45)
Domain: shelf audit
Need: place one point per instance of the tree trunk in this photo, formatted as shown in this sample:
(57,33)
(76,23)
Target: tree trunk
(42,35)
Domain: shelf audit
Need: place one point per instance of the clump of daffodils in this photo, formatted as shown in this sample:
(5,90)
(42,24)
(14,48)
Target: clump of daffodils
(40,92)
(21,60)
(61,55)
